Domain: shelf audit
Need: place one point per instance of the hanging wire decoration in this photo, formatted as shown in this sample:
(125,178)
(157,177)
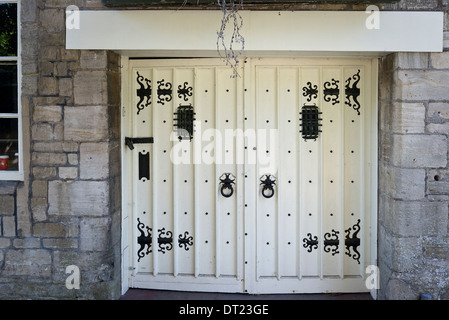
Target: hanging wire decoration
(231,16)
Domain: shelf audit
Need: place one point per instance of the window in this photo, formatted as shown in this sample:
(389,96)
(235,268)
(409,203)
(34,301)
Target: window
(11,167)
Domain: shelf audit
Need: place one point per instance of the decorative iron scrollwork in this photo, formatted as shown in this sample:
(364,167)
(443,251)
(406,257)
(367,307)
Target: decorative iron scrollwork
(331,242)
(226,182)
(185,241)
(267,181)
(310,122)
(165,243)
(310,91)
(352,241)
(331,91)
(310,243)
(164,92)
(184,91)
(143,92)
(164,240)
(353,91)
(144,240)
(183,122)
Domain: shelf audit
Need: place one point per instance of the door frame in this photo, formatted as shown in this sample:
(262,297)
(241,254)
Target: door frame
(250,189)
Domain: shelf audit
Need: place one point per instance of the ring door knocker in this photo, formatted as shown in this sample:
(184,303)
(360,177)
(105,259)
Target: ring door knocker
(226,182)
(268,181)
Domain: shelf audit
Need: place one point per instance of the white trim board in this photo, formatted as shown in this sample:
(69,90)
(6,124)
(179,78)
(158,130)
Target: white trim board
(267,33)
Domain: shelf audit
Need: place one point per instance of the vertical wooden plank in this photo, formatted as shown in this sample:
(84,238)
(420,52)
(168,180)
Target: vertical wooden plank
(332,137)
(310,175)
(205,170)
(287,171)
(299,177)
(250,184)
(185,181)
(280,189)
(239,162)
(217,155)
(266,152)
(175,146)
(165,180)
(226,124)
(196,183)
(143,187)
(154,173)
(354,183)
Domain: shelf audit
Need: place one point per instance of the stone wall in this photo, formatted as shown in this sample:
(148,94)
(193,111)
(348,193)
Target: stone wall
(413,175)
(67,211)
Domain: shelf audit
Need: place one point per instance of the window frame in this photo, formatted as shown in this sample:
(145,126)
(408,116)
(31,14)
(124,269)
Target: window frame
(19,174)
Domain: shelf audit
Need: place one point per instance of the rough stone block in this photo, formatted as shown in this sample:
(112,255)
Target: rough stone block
(400,183)
(7,205)
(52,20)
(399,290)
(78,198)
(412,60)
(420,151)
(65,87)
(73,159)
(85,123)
(47,113)
(422,85)
(93,59)
(408,118)
(416,218)
(407,254)
(438,110)
(27,243)
(44,172)
(9,226)
(49,230)
(94,160)
(68,172)
(29,84)
(39,209)
(48,86)
(28,11)
(39,188)
(440,60)
(48,158)
(94,234)
(438,187)
(90,88)
(48,146)
(33,263)
(62,243)
(442,128)
(42,132)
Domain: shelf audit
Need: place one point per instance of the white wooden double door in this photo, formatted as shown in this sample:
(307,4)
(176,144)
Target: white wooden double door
(260,183)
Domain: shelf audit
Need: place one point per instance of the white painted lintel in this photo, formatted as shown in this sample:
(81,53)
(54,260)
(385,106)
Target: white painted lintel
(184,33)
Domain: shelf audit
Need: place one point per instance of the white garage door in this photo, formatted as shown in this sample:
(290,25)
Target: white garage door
(259,184)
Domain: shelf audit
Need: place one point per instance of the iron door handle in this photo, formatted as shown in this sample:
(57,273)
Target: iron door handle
(268,185)
(227,184)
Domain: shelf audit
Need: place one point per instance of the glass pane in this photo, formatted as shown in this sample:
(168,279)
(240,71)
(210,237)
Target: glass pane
(8,29)
(9,145)
(8,87)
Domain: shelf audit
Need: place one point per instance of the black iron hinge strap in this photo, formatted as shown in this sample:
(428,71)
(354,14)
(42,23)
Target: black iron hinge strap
(131,141)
